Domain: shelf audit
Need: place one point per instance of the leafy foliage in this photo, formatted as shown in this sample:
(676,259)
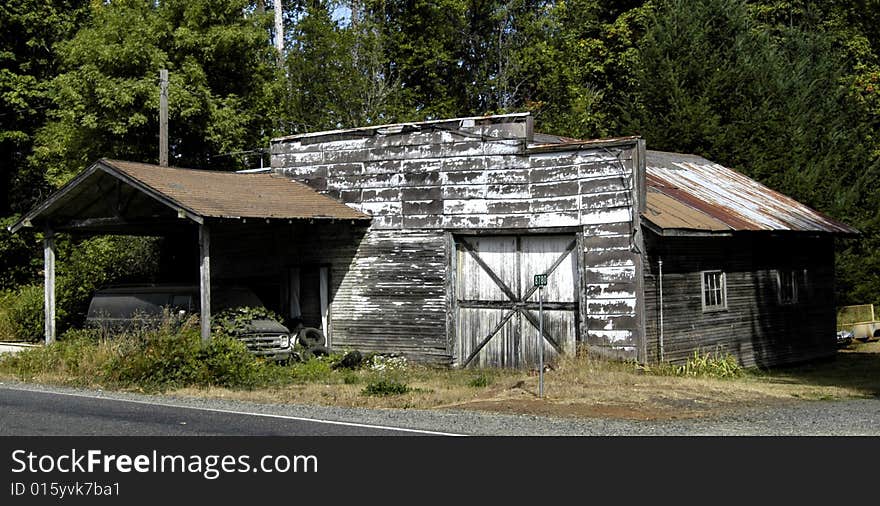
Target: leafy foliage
(19,255)
(106,96)
(384,387)
(82,268)
(786,92)
(24,317)
(711,365)
(173,357)
(235,321)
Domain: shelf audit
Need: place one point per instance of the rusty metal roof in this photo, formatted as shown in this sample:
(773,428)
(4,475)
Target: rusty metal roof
(118,196)
(688,192)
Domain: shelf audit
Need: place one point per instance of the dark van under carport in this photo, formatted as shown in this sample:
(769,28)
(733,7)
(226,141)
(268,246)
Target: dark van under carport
(128,306)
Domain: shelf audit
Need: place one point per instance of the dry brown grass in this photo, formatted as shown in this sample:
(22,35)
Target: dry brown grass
(581,386)
(585,386)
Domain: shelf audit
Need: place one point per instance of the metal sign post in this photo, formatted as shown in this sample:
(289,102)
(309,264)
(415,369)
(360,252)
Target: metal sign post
(540,282)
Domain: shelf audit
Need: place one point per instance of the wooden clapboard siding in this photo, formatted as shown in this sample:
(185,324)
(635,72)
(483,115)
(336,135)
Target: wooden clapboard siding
(756,328)
(393,296)
(431,181)
(387,289)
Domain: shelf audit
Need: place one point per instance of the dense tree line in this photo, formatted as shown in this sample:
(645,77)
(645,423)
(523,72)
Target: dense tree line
(785,91)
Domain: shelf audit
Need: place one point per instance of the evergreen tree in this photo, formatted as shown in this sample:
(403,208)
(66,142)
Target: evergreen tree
(221,95)
(29,31)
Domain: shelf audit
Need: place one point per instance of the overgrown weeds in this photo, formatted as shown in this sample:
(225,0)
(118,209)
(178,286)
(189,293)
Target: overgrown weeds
(384,387)
(581,384)
(705,365)
(171,356)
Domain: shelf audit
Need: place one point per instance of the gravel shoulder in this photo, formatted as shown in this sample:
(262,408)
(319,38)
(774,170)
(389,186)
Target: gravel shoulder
(856,417)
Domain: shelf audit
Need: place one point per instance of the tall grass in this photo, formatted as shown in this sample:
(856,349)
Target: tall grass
(149,359)
(6,331)
(705,365)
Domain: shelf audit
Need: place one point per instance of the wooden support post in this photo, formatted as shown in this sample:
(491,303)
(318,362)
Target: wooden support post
(163,117)
(323,295)
(49,285)
(205,281)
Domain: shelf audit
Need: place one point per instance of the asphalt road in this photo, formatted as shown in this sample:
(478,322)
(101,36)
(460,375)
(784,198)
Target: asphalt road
(31,409)
(27,412)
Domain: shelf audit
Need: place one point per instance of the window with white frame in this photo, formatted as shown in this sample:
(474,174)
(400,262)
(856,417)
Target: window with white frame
(787,286)
(714,284)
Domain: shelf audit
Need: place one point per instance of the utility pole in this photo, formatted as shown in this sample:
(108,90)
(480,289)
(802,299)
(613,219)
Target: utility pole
(163,117)
(279,31)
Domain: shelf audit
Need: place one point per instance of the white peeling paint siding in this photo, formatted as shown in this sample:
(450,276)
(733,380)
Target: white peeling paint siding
(436,181)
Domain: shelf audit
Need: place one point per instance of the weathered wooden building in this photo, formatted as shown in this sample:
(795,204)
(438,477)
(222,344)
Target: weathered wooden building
(424,239)
(733,266)
(465,213)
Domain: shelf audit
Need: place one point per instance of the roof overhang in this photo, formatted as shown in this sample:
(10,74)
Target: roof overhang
(115,197)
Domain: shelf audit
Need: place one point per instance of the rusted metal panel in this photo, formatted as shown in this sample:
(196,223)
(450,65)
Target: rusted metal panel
(691,193)
(669,213)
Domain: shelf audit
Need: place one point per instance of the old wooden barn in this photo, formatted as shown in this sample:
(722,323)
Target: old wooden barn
(733,266)
(424,239)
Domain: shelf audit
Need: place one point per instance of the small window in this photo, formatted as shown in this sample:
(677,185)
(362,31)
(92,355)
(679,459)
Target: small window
(714,291)
(787,286)
(182,302)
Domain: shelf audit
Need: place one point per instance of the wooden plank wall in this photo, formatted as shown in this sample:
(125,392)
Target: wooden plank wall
(756,327)
(387,288)
(422,182)
(393,296)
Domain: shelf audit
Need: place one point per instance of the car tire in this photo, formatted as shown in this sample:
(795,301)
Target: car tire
(311,337)
(320,351)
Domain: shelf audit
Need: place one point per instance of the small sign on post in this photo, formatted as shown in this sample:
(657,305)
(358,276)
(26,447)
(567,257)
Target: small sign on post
(540,283)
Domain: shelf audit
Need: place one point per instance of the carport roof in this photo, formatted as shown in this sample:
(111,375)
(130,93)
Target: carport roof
(113,195)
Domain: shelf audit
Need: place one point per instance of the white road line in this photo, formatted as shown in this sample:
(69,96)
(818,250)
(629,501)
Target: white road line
(227,411)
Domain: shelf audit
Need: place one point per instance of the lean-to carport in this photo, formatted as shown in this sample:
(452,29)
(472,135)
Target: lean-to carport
(119,197)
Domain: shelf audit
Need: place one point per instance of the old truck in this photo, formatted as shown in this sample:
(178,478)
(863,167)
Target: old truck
(124,306)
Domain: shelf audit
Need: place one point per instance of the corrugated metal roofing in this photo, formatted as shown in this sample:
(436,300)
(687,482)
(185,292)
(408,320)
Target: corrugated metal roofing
(234,195)
(688,192)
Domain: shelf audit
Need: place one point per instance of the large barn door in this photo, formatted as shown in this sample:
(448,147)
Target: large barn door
(497,319)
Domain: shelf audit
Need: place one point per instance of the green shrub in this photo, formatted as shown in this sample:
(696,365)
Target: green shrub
(172,357)
(385,387)
(76,354)
(350,378)
(6,331)
(24,314)
(232,321)
(20,255)
(313,369)
(226,362)
(713,365)
(87,265)
(162,360)
(480,381)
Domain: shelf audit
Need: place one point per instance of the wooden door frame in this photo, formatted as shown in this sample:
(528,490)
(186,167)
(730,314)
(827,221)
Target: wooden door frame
(521,309)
